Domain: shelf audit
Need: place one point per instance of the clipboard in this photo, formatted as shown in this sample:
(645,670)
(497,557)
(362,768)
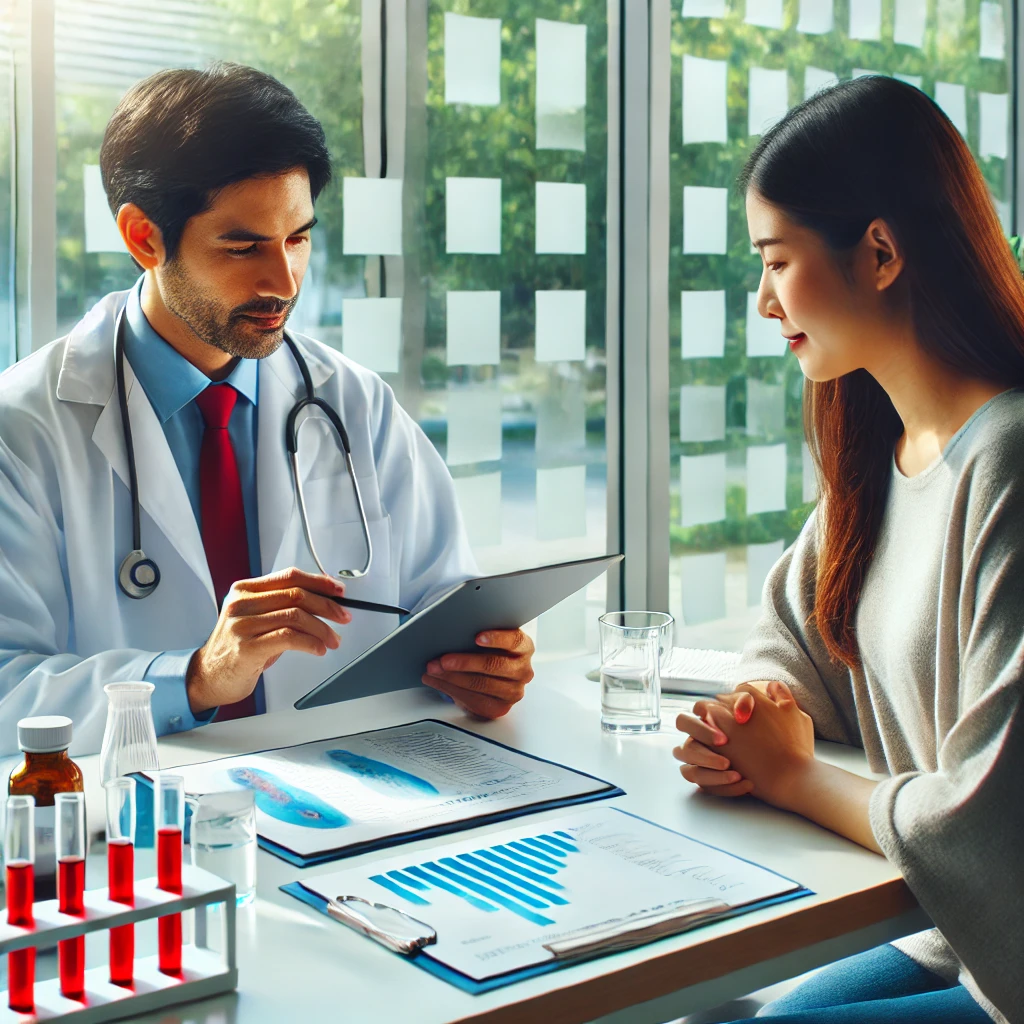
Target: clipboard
(452,623)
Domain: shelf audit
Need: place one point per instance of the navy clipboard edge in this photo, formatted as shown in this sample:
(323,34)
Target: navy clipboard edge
(446,828)
(424,961)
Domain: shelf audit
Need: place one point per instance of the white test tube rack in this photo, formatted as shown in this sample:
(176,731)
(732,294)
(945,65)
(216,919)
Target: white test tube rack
(203,972)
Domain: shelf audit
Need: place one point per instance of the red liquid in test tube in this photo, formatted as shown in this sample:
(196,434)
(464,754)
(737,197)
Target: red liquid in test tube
(169,807)
(21,964)
(69,839)
(121,874)
(19,854)
(71,952)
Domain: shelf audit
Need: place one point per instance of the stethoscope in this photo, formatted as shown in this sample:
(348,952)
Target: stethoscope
(139,575)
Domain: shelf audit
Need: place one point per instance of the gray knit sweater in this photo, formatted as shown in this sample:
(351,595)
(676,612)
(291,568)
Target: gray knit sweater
(936,702)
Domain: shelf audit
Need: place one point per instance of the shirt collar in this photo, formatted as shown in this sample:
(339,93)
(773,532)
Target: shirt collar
(168,378)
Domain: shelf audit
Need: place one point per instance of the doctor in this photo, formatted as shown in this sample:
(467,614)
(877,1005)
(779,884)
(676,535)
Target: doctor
(212,176)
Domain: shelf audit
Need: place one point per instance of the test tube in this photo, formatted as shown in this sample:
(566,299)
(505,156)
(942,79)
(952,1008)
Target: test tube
(170,823)
(69,839)
(121,874)
(20,858)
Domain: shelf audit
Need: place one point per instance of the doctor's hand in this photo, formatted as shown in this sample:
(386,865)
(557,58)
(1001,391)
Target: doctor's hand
(486,685)
(259,620)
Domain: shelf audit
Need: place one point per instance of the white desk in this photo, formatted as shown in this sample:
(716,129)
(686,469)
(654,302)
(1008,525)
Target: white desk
(298,965)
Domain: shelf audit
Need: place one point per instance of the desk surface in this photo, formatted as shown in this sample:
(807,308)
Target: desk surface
(296,964)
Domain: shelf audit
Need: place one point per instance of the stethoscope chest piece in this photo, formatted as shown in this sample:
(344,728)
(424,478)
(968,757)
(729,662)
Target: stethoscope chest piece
(138,575)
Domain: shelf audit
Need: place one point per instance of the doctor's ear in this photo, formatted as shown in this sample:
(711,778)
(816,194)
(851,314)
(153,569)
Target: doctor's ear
(142,238)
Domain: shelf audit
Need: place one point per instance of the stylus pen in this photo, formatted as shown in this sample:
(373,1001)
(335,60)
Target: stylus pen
(370,606)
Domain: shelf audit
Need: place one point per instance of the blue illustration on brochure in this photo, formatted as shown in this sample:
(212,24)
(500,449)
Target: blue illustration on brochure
(288,803)
(380,776)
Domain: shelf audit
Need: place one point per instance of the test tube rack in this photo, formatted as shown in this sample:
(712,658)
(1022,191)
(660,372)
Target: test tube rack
(204,972)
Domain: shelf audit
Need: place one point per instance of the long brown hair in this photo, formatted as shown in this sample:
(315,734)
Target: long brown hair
(878,148)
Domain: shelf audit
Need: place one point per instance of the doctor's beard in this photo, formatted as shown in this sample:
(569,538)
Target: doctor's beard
(213,324)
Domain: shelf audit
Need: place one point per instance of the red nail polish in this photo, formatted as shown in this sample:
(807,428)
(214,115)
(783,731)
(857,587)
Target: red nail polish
(742,713)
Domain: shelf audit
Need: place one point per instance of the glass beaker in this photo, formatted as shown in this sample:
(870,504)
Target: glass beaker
(129,739)
(223,838)
(632,645)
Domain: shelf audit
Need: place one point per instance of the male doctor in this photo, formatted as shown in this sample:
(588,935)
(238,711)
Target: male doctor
(212,176)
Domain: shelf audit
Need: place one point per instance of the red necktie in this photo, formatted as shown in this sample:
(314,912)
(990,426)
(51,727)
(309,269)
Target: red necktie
(221,511)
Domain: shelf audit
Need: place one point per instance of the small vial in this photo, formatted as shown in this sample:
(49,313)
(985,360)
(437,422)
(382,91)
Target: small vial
(170,824)
(70,839)
(45,771)
(19,856)
(121,874)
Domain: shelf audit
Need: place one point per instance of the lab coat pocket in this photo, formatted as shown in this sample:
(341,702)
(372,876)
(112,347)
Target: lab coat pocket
(342,545)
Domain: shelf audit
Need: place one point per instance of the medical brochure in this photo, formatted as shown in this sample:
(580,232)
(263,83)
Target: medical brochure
(496,902)
(334,798)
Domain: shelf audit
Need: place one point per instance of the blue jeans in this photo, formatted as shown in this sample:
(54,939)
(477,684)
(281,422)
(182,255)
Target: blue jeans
(880,986)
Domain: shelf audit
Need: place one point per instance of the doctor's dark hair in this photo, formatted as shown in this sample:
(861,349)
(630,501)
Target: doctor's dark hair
(878,148)
(180,136)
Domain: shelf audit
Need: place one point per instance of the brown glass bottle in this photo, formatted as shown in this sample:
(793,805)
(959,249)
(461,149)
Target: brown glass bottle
(46,770)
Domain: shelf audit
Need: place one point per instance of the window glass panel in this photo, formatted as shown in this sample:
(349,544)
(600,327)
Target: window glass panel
(505,278)
(737,500)
(7,332)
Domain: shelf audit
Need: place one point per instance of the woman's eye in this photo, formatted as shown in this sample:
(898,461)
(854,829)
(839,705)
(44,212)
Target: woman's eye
(775,266)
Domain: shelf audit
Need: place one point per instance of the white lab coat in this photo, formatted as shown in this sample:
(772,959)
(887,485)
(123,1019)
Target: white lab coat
(66,629)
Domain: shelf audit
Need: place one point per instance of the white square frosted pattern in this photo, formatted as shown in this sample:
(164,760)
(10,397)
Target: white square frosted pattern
(766,478)
(371,332)
(474,328)
(815,17)
(703,324)
(101,234)
(474,425)
(994,115)
(764,335)
(760,559)
(704,100)
(908,27)
(479,499)
(704,219)
(993,34)
(561,421)
(817,78)
(703,587)
(561,331)
(810,483)
(865,19)
(766,409)
(472,60)
(372,217)
(703,8)
(767,13)
(953,100)
(862,72)
(473,215)
(768,99)
(702,488)
(561,85)
(561,503)
(561,218)
(702,412)
(917,81)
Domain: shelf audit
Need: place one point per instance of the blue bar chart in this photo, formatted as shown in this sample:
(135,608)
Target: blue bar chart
(518,876)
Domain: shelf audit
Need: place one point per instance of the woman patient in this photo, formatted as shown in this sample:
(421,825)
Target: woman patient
(896,620)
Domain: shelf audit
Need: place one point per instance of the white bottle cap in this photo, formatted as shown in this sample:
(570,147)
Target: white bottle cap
(44,735)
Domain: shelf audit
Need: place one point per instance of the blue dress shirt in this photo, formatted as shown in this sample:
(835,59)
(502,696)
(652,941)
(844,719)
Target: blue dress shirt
(171,384)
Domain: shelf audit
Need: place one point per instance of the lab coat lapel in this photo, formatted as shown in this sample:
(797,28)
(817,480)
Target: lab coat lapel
(161,490)
(280,387)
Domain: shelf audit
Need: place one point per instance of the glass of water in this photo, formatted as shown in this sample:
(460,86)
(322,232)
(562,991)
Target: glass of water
(223,838)
(632,645)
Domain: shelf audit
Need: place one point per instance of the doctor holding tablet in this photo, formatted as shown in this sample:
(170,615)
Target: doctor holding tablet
(187,488)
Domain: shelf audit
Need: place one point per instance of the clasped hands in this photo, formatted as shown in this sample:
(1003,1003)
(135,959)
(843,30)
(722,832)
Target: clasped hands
(756,740)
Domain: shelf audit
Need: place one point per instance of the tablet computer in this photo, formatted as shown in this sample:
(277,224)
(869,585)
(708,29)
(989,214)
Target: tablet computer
(451,624)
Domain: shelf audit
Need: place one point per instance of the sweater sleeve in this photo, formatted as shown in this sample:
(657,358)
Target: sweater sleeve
(956,833)
(786,647)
